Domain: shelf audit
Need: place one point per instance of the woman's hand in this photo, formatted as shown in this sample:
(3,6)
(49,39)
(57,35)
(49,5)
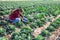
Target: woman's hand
(25,20)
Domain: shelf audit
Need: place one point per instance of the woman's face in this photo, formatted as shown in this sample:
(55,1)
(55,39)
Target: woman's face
(20,12)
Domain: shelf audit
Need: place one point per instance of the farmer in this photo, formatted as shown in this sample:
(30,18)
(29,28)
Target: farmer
(15,16)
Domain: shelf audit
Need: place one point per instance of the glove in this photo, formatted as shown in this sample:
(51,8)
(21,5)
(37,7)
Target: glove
(25,20)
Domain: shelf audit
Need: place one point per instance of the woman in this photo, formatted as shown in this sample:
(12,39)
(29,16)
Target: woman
(15,16)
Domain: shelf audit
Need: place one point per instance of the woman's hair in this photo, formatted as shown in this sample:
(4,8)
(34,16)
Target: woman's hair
(20,10)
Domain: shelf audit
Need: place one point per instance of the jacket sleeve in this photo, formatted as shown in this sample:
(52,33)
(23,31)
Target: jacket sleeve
(21,15)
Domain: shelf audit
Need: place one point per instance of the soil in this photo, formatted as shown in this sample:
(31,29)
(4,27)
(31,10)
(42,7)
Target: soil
(54,35)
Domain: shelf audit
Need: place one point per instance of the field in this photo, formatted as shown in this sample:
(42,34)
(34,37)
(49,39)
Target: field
(43,21)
